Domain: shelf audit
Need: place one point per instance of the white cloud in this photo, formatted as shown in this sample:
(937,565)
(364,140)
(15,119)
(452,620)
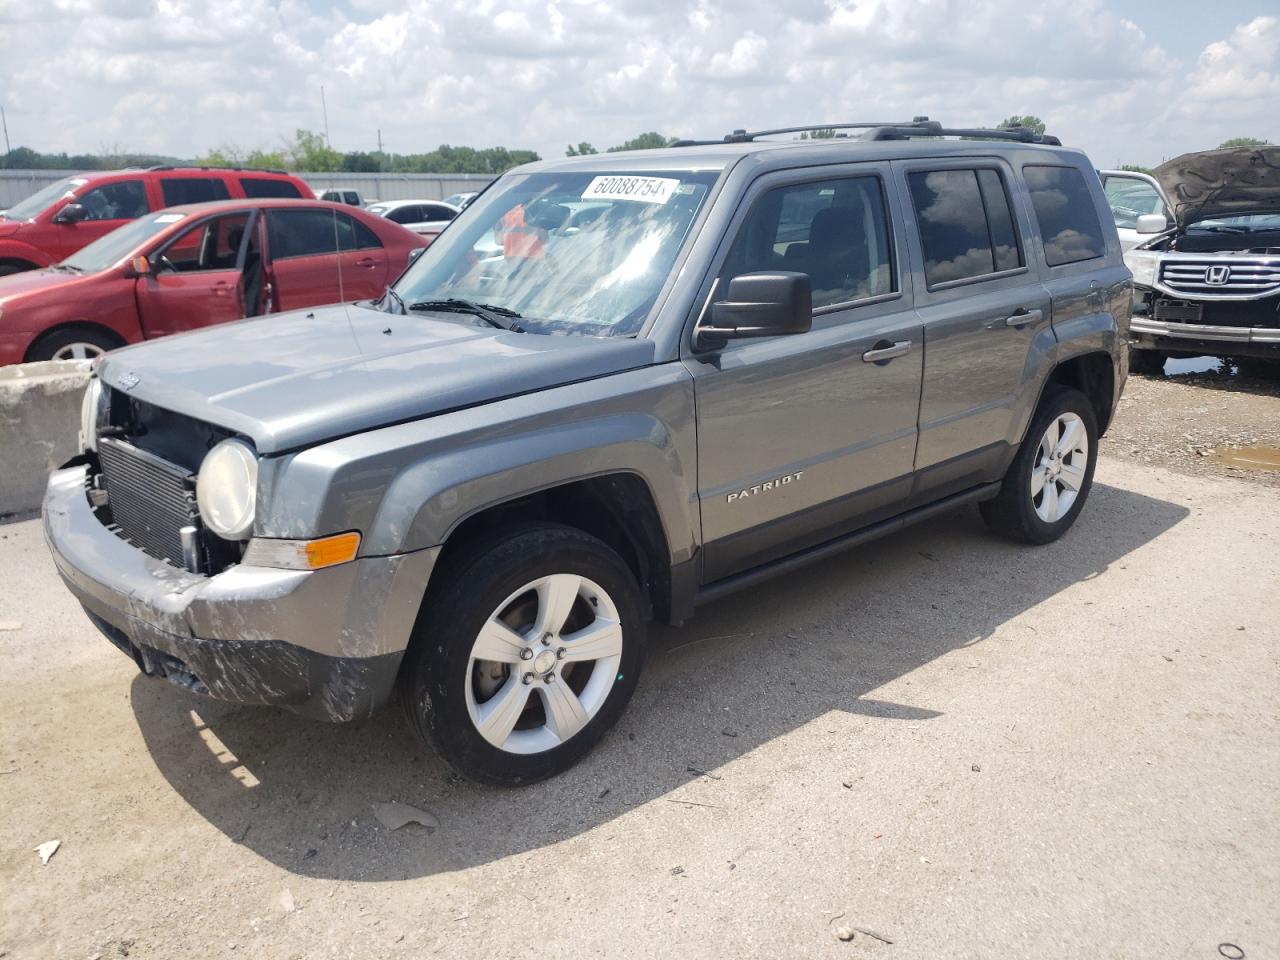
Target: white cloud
(179,76)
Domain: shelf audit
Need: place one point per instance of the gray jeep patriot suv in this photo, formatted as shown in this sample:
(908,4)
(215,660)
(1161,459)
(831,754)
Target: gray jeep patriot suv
(616,387)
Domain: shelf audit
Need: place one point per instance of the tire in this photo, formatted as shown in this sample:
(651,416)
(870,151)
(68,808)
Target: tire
(1146,362)
(73,343)
(1020,513)
(496,592)
(1258,369)
(11,267)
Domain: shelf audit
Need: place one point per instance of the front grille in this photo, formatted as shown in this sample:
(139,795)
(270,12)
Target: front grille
(151,499)
(1242,278)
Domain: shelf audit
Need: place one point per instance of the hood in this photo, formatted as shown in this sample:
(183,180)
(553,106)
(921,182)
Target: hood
(1222,183)
(33,281)
(296,379)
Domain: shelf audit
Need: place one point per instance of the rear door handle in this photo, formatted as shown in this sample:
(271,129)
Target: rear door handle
(366,262)
(1022,317)
(879,354)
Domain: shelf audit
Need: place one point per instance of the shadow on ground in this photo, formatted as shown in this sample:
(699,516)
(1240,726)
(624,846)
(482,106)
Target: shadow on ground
(749,668)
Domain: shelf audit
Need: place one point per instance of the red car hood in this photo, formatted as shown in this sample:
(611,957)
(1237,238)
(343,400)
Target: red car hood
(32,281)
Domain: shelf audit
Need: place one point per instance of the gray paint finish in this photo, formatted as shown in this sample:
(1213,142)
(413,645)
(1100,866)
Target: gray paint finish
(404,427)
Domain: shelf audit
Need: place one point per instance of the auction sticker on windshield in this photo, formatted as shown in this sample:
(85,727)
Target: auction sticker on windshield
(641,189)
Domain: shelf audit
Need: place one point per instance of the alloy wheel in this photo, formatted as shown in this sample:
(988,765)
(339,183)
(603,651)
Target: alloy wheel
(1058,473)
(544,663)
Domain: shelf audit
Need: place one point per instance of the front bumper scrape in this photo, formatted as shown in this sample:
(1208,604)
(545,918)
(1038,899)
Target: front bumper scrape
(325,643)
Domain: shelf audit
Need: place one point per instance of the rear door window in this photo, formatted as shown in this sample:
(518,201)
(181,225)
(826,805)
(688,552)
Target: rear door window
(259,188)
(123,200)
(308,233)
(437,211)
(965,222)
(180,190)
(1064,210)
(409,214)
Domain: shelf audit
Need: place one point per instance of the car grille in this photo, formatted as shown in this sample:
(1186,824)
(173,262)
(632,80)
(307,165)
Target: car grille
(151,499)
(1243,278)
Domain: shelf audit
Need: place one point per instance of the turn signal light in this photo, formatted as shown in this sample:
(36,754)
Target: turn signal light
(303,554)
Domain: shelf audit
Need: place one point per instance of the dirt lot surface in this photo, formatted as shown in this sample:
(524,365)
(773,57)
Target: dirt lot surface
(970,748)
(1209,423)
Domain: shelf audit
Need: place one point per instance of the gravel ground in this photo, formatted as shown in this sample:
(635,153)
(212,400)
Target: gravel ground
(969,748)
(1212,422)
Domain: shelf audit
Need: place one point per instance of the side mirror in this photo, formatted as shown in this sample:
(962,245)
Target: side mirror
(414,254)
(759,305)
(1151,223)
(71,213)
(138,267)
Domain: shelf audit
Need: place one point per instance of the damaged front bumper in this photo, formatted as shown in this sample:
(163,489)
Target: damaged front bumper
(325,643)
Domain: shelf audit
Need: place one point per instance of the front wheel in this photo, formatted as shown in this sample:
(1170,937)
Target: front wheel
(1050,477)
(1146,362)
(73,343)
(525,654)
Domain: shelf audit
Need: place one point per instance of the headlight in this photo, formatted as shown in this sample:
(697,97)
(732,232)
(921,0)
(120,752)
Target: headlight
(1142,264)
(226,489)
(90,407)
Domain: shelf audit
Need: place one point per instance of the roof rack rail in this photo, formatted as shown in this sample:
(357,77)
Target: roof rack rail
(742,136)
(893,130)
(924,127)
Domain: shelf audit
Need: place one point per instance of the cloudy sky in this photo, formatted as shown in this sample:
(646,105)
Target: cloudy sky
(1128,81)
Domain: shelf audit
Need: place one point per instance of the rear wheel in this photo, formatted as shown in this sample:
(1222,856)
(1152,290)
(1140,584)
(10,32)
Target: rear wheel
(1148,362)
(73,343)
(1050,478)
(526,654)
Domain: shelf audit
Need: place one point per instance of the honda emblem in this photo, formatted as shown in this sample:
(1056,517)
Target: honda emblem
(1217,275)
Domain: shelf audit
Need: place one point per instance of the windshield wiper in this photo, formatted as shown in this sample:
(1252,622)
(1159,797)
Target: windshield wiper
(392,297)
(67,267)
(504,318)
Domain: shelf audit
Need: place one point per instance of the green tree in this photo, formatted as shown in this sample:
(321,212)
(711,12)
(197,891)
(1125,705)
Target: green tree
(583,149)
(1134,168)
(227,155)
(310,152)
(821,133)
(1243,142)
(646,141)
(1034,124)
(266,159)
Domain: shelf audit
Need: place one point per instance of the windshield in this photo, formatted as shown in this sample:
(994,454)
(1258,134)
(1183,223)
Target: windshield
(1251,223)
(1131,198)
(41,199)
(119,244)
(565,252)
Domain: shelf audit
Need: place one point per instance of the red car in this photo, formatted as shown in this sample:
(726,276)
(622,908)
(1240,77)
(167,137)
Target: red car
(55,222)
(194,266)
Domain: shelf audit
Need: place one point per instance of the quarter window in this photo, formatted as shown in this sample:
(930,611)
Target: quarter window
(836,231)
(966,224)
(125,200)
(308,233)
(178,191)
(259,188)
(1065,212)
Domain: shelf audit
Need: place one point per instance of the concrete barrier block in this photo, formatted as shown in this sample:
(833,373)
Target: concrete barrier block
(39,427)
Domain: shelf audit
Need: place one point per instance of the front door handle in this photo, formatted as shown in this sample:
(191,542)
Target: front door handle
(1022,317)
(885,353)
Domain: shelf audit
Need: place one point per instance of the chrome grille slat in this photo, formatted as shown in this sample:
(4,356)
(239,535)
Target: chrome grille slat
(1247,278)
(151,499)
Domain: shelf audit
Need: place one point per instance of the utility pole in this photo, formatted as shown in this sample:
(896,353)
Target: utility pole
(5,123)
(325,110)
(379,149)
